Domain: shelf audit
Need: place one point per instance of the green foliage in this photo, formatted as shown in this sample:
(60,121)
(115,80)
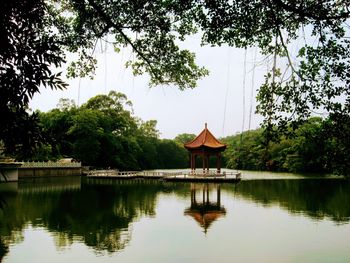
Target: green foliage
(151,29)
(103,132)
(86,132)
(336,130)
(246,153)
(36,34)
(184,138)
(28,52)
(315,147)
(172,155)
(316,79)
(148,129)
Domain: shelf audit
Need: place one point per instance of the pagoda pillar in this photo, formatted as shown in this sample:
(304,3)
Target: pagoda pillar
(207,161)
(218,196)
(204,161)
(193,162)
(207,194)
(218,162)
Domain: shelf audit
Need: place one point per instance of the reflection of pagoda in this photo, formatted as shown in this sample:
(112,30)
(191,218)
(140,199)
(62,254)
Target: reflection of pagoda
(204,211)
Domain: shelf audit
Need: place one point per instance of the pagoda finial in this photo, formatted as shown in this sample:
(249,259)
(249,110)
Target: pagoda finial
(206,125)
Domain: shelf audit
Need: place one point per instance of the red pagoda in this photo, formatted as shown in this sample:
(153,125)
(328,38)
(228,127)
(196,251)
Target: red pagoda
(205,145)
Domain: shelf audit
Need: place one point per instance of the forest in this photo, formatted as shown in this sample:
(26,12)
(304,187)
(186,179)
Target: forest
(313,147)
(104,133)
(37,35)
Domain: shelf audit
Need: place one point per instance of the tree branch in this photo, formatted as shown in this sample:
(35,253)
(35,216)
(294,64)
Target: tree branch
(287,52)
(117,27)
(304,13)
(274,17)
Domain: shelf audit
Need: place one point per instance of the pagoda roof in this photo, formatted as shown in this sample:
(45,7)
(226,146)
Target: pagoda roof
(205,218)
(207,139)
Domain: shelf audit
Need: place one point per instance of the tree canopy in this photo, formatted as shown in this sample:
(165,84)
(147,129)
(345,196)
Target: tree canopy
(36,34)
(314,148)
(316,79)
(28,50)
(103,132)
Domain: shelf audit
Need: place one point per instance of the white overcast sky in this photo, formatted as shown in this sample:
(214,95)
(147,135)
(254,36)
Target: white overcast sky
(176,111)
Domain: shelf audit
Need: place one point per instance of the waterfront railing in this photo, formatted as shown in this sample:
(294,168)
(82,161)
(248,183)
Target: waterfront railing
(50,164)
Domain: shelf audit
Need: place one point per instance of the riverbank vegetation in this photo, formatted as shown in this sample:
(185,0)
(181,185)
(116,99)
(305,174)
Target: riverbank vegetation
(37,35)
(315,147)
(104,133)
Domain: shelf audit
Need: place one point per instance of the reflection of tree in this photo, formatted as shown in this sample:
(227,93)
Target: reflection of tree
(93,215)
(6,240)
(97,214)
(3,249)
(8,230)
(100,213)
(315,198)
(204,211)
(2,202)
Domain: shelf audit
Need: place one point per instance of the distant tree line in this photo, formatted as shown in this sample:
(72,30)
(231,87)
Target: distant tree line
(314,147)
(103,132)
(36,36)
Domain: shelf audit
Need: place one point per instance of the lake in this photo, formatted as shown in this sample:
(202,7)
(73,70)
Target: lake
(285,218)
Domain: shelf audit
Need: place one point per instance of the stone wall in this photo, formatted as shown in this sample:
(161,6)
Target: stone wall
(24,172)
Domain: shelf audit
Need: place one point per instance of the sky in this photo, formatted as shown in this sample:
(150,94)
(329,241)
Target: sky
(217,100)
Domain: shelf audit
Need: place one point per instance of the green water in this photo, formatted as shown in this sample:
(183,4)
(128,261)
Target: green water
(89,220)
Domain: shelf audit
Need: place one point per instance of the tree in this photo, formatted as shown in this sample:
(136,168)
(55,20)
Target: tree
(36,34)
(335,131)
(150,28)
(184,138)
(317,79)
(149,129)
(28,50)
(86,132)
(171,155)
(148,140)
(153,28)
(247,153)
(54,126)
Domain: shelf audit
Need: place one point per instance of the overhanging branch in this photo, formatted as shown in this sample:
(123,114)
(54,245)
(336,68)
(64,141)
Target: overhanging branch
(305,13)
(117,27)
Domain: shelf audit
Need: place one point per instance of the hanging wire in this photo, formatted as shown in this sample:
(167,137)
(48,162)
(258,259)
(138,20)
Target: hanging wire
(133,60)
(79,91)
(252,90)
(243,91)
(227,88)
(133,76)
(105,57)
(120,72)
(243,97)
(271,100)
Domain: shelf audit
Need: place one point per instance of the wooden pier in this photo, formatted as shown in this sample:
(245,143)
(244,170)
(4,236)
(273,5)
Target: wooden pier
(211,176)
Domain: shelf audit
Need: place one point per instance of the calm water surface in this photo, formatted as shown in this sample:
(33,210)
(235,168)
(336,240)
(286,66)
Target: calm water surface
(89,220)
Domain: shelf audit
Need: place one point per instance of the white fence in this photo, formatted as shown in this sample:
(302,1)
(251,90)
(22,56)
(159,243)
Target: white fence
(51,165)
